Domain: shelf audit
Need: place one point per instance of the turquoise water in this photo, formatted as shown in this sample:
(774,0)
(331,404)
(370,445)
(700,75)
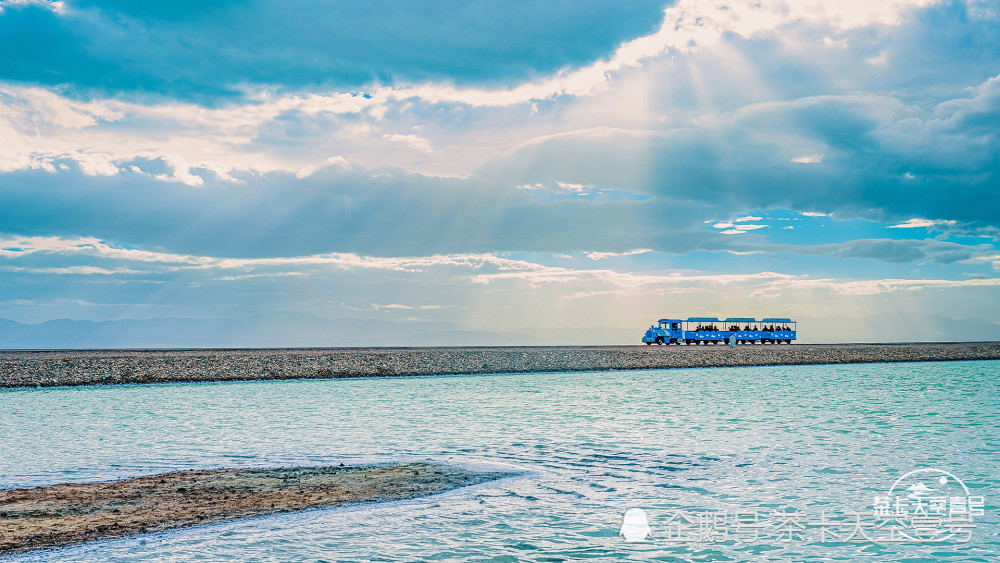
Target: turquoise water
(587,445)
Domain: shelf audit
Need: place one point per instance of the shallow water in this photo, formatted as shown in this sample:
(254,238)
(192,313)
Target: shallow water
(812,439)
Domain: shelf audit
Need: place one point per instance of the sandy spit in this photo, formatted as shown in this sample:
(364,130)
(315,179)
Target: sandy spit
(92,367)
(66,514)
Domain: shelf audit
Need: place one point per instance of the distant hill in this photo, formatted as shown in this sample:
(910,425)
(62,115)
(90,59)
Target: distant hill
(279,330)
(898,327)
(290,330)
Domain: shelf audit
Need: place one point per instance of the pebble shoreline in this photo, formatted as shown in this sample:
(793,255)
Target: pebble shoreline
(109,367)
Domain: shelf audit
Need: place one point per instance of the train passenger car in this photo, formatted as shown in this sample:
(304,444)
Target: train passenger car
(703,330)
(668,331)
(776,330)
(742,329)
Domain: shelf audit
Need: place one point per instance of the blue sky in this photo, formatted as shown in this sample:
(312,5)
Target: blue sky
(499,164)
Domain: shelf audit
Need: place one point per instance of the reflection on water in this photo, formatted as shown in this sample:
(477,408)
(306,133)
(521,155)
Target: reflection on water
(590,445)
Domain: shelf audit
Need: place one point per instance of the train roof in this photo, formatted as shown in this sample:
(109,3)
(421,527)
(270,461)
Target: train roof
(702,320)
(740,320)
(670,320)
(776,320)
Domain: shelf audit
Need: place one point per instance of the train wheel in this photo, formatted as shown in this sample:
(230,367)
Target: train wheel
(659,340)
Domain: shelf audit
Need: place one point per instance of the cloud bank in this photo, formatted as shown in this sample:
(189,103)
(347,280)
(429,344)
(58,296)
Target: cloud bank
(584,163)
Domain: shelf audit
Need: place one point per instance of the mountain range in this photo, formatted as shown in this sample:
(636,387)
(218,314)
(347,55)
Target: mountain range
(286,330)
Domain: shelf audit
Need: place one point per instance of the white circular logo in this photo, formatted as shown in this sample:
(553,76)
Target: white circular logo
(927,483)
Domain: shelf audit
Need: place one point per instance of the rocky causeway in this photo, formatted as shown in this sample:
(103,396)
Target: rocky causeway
(106,367)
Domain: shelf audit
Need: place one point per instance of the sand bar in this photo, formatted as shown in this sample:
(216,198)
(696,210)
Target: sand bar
(92,367)
(67,514)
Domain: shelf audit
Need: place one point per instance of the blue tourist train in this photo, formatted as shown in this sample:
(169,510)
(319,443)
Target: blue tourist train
(711,330)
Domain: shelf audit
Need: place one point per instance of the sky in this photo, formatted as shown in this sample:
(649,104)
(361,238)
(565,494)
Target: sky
(500,165)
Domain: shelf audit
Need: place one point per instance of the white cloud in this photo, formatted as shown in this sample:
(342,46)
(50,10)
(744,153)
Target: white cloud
(873,287)
(462,269)
(578,188)
(415,142)
(74,270)
(603,255)
(809,159)
(732,229)
(40,128)
(919,223)
(21,246)
(376,306)
(56,6)
(307,171)
(880,60)
(18,247)
(687,25)
(260,275)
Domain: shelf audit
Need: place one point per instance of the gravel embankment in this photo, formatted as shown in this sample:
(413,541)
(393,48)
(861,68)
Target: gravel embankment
(90,367)
(72,513)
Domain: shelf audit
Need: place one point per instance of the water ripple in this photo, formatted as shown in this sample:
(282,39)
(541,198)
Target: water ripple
(589,445)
